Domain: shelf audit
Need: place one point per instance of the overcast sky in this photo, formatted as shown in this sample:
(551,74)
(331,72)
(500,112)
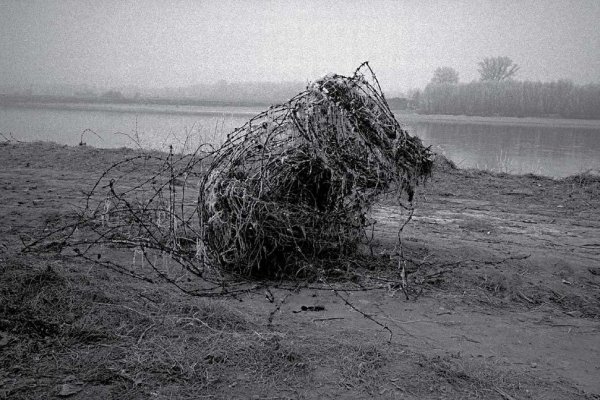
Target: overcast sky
(178,43)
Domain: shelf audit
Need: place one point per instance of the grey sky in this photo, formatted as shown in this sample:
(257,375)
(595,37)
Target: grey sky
(178,43)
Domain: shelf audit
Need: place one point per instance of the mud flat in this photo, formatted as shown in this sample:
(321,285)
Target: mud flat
(504,301)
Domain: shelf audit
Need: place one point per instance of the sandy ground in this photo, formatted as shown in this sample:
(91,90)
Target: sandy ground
(504,302)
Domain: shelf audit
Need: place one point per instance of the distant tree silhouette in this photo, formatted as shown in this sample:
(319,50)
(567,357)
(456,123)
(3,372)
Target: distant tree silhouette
(512,98)
(113,95)
(445,75)
(497,68)
(414,99)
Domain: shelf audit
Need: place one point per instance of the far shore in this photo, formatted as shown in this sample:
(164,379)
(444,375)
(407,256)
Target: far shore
(219,108)
(409,117)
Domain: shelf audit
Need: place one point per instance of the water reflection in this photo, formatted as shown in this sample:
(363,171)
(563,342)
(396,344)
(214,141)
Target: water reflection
(122,128)
(543,150)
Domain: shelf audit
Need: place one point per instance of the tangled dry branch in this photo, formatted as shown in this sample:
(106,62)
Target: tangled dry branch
(289,190)
(296,182)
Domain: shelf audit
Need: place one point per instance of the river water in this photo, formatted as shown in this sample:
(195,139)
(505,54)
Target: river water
(555,148)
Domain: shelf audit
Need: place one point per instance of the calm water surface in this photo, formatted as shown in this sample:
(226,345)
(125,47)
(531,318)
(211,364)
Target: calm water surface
(542,149)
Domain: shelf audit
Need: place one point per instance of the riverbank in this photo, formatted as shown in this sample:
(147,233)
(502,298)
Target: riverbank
(506,301)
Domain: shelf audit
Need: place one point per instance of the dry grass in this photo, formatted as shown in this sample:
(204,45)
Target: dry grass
(102,336)
(129,339)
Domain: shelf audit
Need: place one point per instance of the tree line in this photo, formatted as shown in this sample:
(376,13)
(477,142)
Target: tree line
(221,92)
(498,94)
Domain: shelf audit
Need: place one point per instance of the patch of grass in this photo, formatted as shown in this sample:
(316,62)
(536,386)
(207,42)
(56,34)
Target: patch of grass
(56,324)
(584,179)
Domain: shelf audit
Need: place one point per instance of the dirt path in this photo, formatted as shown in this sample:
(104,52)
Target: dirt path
(520,288)
(525,288)
(509,268)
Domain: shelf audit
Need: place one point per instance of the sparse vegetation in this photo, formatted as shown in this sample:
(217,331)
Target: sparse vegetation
(119,300)
(69,326)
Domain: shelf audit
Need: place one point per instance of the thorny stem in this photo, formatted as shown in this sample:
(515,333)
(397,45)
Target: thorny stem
(401,258)
(352,306)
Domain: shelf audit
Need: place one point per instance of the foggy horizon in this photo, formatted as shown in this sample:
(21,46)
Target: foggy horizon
(151,45)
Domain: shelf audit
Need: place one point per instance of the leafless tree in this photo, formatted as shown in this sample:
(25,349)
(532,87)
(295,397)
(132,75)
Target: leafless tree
(445,75)
(497,68)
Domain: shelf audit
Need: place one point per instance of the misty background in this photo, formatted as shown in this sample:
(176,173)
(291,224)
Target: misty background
(268,50)
(163,72)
